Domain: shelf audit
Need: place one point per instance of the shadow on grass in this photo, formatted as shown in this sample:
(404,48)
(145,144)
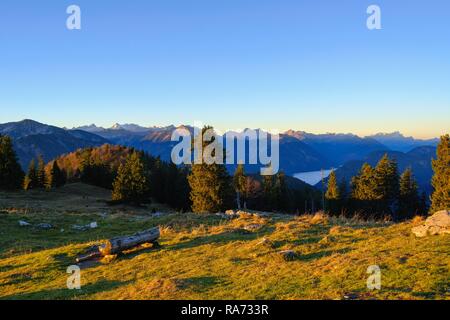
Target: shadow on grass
(199,284)
(322,254)
(223,238)
(65,294)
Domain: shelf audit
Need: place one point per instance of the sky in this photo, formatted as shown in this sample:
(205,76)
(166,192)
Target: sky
(272,64)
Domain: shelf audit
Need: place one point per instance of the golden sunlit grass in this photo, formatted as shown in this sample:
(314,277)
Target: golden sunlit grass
(207,257)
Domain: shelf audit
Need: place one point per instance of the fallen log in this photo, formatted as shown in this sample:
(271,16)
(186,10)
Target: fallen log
(119,244)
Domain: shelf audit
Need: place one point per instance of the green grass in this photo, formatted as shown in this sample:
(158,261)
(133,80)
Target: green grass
(205,257)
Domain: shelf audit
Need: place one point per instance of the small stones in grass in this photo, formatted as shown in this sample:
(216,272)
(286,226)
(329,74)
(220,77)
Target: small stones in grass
(44,226)
(24,223)
(92,225)
(253,227)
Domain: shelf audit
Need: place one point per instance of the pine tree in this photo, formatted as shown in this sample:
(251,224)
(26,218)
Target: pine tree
(239,182)
(363,185)
(333,192)
(56,177)
(11,174)
(131,183)
(211,186)
(440,199)
(387,185)
(41,174)
(281,193)
(31,179)
(268,193)
(409,201)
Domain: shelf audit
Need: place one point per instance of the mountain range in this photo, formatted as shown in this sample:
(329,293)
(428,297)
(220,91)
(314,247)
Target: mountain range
(299,151)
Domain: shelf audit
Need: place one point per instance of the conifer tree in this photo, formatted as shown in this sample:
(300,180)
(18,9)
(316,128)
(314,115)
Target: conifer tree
(363,185)
(333,192)
(268,192)
(41,174)
(31,179)
(281,193)
(440,199)
(240,182)
(56,177)
(131,183)
(387,185)
(11,174)
(409,202)
(211,186)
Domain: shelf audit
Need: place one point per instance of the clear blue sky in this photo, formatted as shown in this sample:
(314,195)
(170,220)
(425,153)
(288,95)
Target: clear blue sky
(306,65)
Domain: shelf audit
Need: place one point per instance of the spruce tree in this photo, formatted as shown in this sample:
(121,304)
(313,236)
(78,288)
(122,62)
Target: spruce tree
(131,183)
(31,179)
(387,185)
(11,174)
(41,174)
(409,201)
(211,185)
(281,193)
(239,182)
(268,193)
(56,177)
(364,185)
(440,199)
(333,192)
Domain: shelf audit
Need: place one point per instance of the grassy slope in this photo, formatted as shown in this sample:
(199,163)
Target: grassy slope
(205,257)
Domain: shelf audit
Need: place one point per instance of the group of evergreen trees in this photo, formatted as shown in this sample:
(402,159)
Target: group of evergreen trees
(142,177)
(135,176)
(377,191)
(12,176)
(41,178)
(381,191)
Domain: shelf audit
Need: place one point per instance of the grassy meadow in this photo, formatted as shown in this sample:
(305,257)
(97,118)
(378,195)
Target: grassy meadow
(209,257)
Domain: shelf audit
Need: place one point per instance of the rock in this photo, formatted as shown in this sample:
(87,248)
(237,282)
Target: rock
(252,213)
(288,255)
(92,225)
(229,214)
(44,226)
(437,224)
(253,227)
(24,223)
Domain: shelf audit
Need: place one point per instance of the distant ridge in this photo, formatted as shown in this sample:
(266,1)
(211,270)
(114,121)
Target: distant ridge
(300,151)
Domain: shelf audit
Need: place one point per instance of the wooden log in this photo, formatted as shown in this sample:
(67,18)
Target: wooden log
(119,244)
